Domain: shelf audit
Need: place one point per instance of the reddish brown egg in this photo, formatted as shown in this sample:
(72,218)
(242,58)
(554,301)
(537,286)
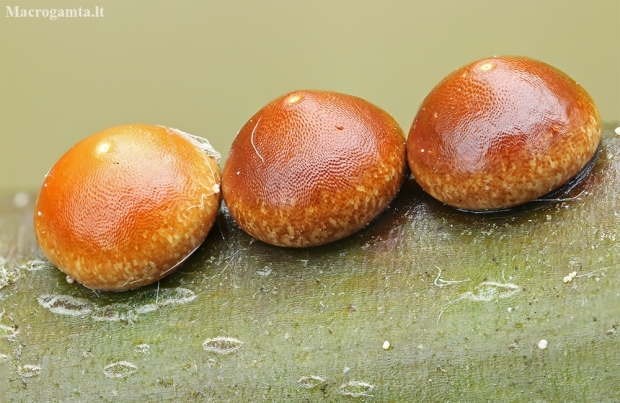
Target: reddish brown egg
(313,167)
(124,207)
(500,132)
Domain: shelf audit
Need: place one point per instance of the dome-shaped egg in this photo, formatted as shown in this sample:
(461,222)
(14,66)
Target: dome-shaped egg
(313,167)
(124,207)
(500,132)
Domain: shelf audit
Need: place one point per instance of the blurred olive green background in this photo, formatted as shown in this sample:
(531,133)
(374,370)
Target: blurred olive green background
(206,66)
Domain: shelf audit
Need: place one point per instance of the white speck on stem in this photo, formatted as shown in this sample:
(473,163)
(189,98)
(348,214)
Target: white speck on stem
(570,277)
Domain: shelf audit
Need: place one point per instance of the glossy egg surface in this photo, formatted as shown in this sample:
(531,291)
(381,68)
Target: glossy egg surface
(500,132)
(313,167)
(124,207)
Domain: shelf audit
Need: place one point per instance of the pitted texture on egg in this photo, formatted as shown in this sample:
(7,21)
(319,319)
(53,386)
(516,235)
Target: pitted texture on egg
(313,167)
(501,132)
(126,206)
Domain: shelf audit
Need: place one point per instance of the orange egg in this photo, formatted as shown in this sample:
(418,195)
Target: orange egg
(313,167)
(500,132)
(124,207)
